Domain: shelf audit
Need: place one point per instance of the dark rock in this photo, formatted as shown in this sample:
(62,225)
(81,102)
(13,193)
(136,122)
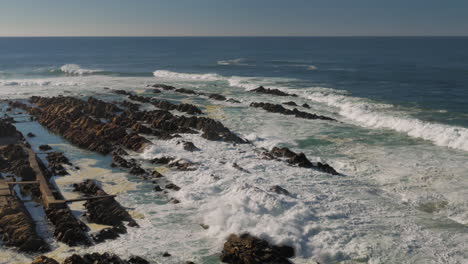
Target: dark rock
(45,147)
(217,97)
(157,188)
(185,91)
(306,106)
(165,254)
(290,103)
(235,165)
(44,260)
(163,86)
(247,249)
(137,260)
(189,146)
(56,161)
(109,233)
(31,135)
(279,190)
(7,129)
(264,90)
(231,100)
(276,108)
(156,174)
(299,160)
(104,211)
(68,229)
(121,92)
(18,229)
(162,160)
(172,186)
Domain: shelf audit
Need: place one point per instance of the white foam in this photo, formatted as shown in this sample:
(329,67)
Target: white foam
(375,116)
(312,67)
(74,69)
(187,76)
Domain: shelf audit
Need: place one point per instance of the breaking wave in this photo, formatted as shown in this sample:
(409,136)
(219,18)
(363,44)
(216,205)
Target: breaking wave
(75,69)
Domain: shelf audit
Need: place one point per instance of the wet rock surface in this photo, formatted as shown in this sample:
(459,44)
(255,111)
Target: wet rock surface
(104,211)
(68,229)
(7,129)
(79,122)
(44,260)
(105,258)
(298,159)
(17,229)
(247,249)
(277,92)
(277,108)
(56,160)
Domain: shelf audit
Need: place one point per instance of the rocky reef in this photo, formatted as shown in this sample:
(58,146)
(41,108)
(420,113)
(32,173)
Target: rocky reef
(247,249)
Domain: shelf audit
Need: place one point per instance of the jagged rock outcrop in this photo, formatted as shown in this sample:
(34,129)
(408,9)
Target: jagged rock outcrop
(264,90)
(247,249)
(277,108)
(68,229)
(7,129)
(104,211)
(56,160)
(300,160)
(17,229)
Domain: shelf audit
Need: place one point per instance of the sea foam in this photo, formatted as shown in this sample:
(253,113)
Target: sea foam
(373,116)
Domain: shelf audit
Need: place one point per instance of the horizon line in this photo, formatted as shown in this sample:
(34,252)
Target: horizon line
(231,36)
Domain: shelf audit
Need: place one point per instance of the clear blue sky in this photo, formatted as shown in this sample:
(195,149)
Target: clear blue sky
(232,17)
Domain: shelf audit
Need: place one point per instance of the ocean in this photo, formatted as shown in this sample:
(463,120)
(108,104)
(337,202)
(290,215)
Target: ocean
(401,142)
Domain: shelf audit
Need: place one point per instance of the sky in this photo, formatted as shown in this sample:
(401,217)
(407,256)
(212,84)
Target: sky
(233,17)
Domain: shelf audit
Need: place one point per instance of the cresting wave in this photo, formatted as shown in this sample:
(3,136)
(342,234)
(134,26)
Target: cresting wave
(74,69)
(367,114)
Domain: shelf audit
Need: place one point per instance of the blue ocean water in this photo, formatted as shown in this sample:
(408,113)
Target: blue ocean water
(428,73)
(401,142)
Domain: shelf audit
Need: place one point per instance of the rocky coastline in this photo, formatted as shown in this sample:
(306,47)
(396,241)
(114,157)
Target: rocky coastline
(118,129)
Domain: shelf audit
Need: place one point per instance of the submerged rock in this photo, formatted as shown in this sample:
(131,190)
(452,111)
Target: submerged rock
(247,249)
(45,147)
(217,97)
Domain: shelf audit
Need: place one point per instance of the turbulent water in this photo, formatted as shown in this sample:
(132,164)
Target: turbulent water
(401,143)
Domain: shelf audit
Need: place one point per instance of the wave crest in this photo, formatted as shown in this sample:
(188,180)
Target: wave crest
(372,115)
(75,69)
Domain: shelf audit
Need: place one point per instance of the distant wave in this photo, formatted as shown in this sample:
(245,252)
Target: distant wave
(75,69)
(312,67)
(360,110)
(239,61)
(38,83)
(187,76)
